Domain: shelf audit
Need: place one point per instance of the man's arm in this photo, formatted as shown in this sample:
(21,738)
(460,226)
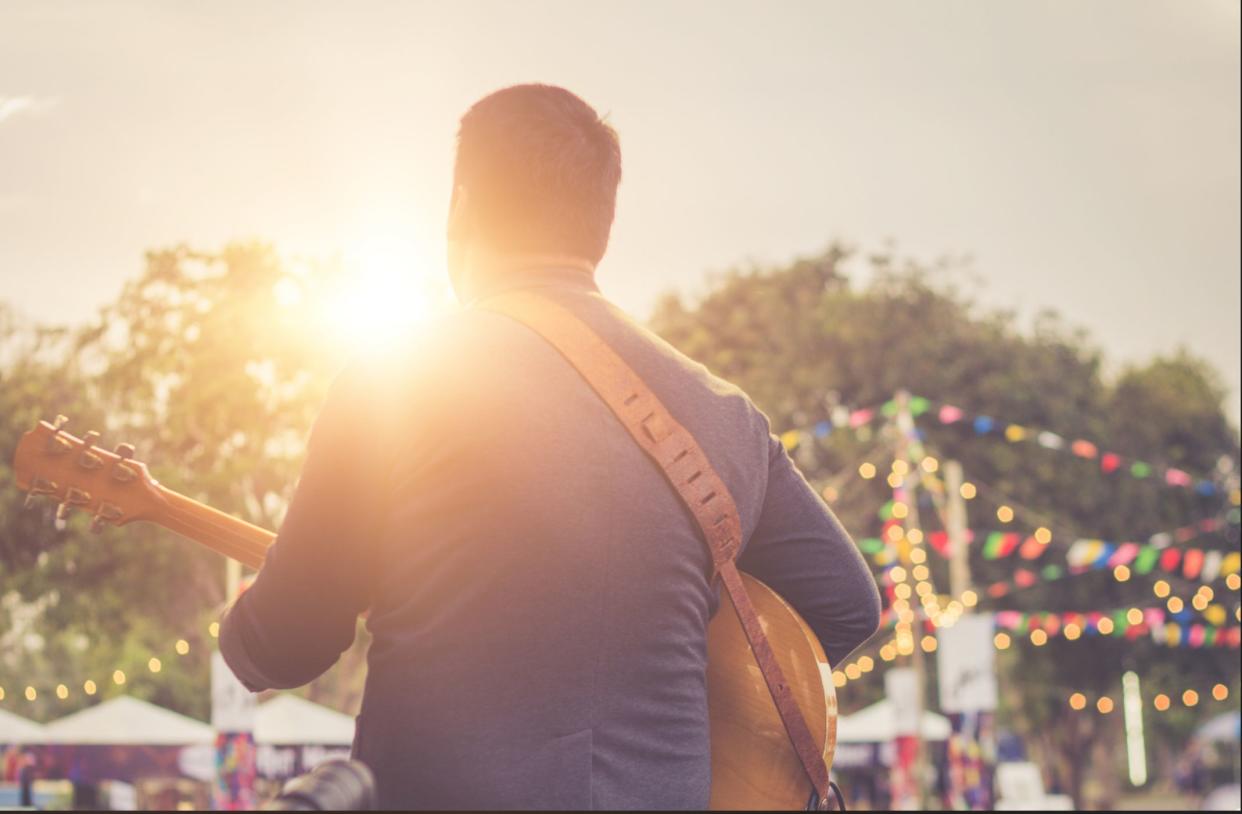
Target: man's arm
(300,614)
(800,549)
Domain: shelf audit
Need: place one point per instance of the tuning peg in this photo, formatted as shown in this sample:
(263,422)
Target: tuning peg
(60,422)
(90,439)
(107,514)
(125,450)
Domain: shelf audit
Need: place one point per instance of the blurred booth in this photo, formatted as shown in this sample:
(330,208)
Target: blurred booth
(126,753)
(865,752)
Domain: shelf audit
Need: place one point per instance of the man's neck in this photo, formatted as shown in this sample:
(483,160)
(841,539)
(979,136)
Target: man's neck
(487,273)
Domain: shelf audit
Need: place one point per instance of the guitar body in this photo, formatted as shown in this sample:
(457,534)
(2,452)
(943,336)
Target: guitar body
(754,765)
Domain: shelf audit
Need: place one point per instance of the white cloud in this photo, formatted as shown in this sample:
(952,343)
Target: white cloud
(11,106)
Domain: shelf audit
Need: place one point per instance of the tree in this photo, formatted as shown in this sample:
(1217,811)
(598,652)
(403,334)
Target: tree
(803,337)
(216,379)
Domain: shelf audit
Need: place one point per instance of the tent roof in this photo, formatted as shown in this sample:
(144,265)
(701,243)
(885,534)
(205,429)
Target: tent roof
(290,720)
(877,723)
(126,720)
(16,729)
(1224,727)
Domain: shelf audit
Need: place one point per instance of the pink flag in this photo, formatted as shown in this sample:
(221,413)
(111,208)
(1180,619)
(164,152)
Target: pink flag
(1176,477)
(950,414)
(860,417)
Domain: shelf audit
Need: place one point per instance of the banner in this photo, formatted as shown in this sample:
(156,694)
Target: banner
(966,658)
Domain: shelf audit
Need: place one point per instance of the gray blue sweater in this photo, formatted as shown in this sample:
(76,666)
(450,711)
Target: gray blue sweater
(538,595)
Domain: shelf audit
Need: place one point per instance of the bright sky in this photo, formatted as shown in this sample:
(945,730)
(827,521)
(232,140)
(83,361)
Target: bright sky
(1086,155)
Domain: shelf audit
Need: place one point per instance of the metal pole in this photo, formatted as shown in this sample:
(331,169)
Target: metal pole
(905,427)
(955,526)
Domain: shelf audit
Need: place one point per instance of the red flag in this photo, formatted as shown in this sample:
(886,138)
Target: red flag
(1109,462)
(1031,548)
(1008,542)
(1192,563)
(939,540)
(1169,558)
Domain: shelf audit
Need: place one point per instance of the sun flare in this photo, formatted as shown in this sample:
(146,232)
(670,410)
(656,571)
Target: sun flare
(386,287)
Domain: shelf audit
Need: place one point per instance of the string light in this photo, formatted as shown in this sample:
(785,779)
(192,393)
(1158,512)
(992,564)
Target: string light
(930,465)
(89,687)
(915,536)
(968,491)
(1038,637)
(866,664)
(970,599)
(1121,573)
(1220,692)
(62,692)
(1078,701)
(1161,588)
(894,480)
(1104,705)
(118,677)
(1,693)
(183,647)
(1175,604)
(1134,616)
(153,664)
(1233,582)
(929,644)
(852,672)
(888,652)
(1004,514)
(838,678)
(213,630)
(900,511)
(31,693)
(1190,698)
(1161,702)
(1105,626)
(1043,536)
(918,555)
(1071,631)
(900,467)
(866,470)
(1001,640)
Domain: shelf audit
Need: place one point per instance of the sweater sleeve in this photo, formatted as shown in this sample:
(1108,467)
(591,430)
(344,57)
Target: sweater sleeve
(301,612)
(801,551)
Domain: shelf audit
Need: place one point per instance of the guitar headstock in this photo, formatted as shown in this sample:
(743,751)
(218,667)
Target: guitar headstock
(112,486)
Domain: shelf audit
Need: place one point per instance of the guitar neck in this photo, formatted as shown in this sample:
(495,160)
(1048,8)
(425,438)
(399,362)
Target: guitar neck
(220,532)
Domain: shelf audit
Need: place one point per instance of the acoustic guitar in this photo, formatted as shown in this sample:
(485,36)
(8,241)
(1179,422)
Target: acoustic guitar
(754,766)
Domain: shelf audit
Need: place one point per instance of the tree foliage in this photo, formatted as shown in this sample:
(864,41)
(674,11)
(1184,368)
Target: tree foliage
(805,337)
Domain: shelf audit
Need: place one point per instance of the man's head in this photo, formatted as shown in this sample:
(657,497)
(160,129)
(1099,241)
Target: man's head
(536,174)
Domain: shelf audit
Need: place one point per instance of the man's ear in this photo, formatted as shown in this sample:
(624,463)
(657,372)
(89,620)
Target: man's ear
(459,214)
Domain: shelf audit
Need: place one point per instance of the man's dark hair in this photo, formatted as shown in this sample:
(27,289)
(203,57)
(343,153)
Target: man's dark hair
(542,170)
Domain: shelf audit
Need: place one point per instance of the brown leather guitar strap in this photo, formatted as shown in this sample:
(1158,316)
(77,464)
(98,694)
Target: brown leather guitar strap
(687,468)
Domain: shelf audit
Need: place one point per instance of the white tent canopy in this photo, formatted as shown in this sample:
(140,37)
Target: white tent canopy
(16,729)
(878,724)
(289,720)
(126,720)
